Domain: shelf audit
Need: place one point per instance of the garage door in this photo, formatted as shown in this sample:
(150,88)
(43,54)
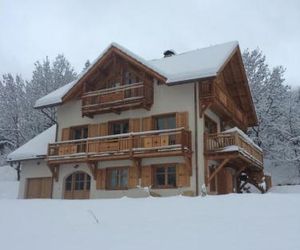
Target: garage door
(39,188)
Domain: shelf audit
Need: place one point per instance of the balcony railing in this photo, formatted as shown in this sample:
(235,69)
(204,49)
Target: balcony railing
(121,97)
(211,90)
(123,146)
(233,142)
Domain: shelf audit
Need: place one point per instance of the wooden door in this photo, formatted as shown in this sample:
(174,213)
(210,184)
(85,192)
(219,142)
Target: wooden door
(225,182)
(77,186)
(39,188)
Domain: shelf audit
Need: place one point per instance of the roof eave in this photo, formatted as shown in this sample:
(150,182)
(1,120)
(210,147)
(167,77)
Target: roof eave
(48,105)
(27,159)
(190,80)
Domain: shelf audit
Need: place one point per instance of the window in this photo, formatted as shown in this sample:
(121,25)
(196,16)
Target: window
(119,127)
(79,132)
(165,176)
(117,178)
(166,122)
(130,78)
(210,125)
(78,181)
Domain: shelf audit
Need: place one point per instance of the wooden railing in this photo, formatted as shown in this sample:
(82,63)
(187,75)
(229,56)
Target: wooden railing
(213,90)
(231,142)
(127,145)
(104,99)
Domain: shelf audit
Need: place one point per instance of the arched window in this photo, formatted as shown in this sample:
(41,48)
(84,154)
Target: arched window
(77,186)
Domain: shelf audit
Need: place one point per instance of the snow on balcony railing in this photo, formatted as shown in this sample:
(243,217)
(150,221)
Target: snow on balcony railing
(233,140)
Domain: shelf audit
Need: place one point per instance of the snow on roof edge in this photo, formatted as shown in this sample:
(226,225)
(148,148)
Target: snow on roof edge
(51,99)
(55,97)
(36,148)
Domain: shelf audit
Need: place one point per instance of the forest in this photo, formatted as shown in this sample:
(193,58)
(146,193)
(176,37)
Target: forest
(277,106)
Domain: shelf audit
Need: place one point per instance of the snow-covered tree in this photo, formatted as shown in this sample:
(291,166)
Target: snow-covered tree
(13,122)
(290,132)
(19,120)
(86,65)
(278,111)
(46,78)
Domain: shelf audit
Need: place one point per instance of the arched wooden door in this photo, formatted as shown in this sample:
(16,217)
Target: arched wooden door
(77,186)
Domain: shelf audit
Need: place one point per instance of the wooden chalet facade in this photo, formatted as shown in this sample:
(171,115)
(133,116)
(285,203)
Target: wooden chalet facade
(131,127)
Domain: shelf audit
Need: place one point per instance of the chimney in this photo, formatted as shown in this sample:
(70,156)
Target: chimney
(169,53)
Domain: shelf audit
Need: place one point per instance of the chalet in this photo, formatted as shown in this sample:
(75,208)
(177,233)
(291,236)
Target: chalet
(130,127)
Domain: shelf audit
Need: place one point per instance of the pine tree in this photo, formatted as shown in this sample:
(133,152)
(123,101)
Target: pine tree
(278,111)
(45,79)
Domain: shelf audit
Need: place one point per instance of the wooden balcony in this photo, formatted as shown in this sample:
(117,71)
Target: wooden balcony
(231,145)
(117,99)
(158,143)
(211,94)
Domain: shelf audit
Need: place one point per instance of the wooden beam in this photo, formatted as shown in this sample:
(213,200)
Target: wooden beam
(203,106)
(206,171)
(219,168)
(55,171)
(136,162)
(188,163)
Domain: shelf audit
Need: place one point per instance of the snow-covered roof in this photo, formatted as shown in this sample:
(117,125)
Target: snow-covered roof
(55,97)
(196,64)
(35,148)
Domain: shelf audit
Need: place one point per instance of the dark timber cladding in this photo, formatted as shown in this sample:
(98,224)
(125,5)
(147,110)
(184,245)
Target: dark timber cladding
(115,83)
(228,94)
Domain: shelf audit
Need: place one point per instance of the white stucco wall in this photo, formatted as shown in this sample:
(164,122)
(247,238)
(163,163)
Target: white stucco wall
(167,99)
(67,169)
(32,169)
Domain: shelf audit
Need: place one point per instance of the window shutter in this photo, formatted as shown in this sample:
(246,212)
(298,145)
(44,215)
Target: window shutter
(132,177)
(182,176)
(135,125)
(146,176)
(101,179)
(65,134)
(93,130)
(103,129)
(147,123)
(182,120)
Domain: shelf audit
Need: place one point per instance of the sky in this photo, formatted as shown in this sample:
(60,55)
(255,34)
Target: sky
(32,30)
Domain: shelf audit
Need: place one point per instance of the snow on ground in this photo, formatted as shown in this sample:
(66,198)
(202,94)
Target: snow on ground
(282,174)
(292,189)
(233,222)
(8,183)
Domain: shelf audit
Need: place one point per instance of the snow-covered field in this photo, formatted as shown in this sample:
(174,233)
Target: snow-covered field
(246,221)
(233,222)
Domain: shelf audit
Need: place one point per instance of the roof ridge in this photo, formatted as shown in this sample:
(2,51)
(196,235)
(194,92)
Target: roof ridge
(193,50)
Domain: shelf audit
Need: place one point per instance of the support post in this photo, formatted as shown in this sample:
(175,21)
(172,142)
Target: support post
(55,171)
(219,168)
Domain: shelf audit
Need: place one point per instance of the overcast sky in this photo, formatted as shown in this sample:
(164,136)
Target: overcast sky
(32,30)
